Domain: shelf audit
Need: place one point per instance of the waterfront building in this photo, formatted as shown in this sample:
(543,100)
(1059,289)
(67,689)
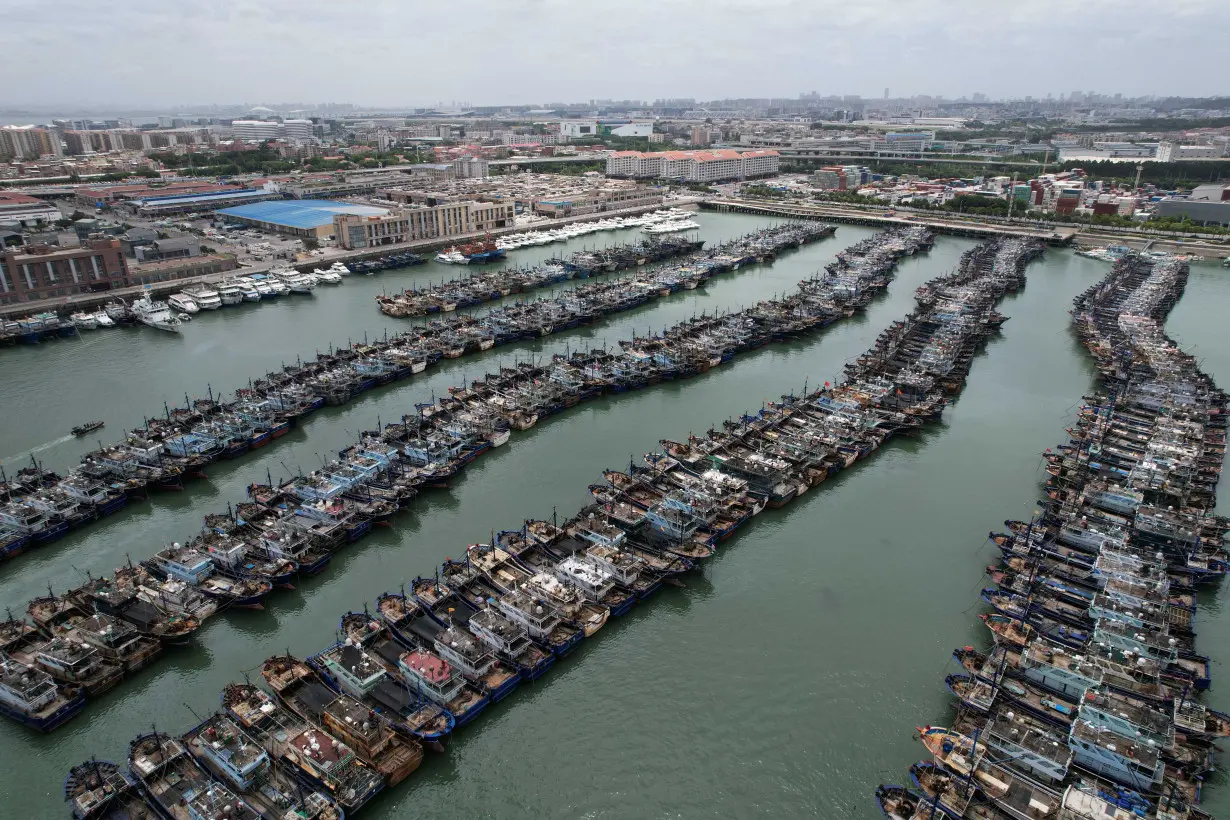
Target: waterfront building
(45,272)
(597,200)
(356,231)
(166,270)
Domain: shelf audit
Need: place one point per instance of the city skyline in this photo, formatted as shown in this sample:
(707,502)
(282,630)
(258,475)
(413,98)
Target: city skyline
(529,51)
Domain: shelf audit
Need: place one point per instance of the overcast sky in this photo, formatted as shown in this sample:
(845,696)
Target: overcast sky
(489,52)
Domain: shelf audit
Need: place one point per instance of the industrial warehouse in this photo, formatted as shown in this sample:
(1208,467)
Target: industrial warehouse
(304,218)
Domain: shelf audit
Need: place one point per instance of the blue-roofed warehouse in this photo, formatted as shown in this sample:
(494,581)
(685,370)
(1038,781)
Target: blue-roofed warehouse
(298,217)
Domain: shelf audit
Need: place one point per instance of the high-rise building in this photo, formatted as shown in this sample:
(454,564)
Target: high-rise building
(28,142)
(297,131)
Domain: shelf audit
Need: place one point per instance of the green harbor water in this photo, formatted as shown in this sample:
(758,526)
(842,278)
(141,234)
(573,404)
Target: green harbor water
(784,681)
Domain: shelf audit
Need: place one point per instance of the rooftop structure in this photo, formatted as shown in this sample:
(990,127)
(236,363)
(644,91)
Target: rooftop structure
(190,203)
(27,210)
(302,217)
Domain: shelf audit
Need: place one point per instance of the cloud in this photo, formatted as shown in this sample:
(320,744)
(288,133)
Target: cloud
(407,52)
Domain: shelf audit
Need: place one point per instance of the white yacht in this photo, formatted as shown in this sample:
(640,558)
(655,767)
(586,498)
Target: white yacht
(671,227)
(183,303)
(268,286)
(206,298)
(327,276)
(247,287)
(230,293)
(155,314)
(103,319)
(296,281)
(339,269)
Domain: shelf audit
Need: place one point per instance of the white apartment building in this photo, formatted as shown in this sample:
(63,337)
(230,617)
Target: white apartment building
(470,168)
(694,166)
(256,130)
(298,130)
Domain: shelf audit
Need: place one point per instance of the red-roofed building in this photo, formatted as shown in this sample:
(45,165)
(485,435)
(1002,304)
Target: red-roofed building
(109,194)
(27,210)
(694,166)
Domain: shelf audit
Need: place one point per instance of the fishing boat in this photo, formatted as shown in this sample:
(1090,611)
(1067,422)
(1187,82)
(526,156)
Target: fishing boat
(313,755)
(373,737)
(87,428)
(226,752)
(101,790)
(31,697)
(84,321)
(900,803)
(177,786)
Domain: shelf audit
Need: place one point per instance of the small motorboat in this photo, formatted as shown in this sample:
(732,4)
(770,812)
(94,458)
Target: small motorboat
(184,317)
(88,427)
(84,321)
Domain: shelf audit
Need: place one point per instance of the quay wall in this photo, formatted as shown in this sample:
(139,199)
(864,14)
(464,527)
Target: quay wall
(828,214)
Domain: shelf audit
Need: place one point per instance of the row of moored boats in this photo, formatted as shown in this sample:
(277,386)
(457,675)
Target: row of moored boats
(426,660)
(488,286)
(39,506)
(282,532)
(579,229)
(178,308)
(1086,704)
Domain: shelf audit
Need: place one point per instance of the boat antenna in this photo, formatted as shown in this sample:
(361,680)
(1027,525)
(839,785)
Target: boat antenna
(199,719)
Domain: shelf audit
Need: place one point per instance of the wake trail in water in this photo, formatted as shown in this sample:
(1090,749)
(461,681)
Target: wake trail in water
(36,449)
